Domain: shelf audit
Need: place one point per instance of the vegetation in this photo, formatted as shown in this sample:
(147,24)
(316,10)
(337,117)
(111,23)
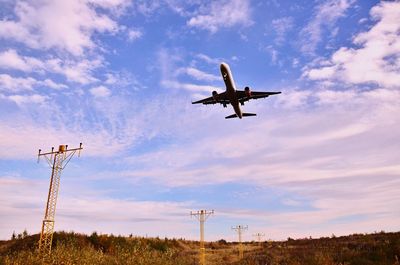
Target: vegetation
(72,248)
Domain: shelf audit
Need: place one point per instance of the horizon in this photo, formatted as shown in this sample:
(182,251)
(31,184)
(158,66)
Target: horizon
(320,158)
(332,236)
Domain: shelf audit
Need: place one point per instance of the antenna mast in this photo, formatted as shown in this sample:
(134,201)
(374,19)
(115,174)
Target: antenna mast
(202,216)
(56,160)
(240,229)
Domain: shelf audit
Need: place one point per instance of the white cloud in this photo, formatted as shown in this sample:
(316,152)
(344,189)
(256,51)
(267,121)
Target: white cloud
(10,59)
(281,27)
(170,72)
(294,98)
(199,75)
(27,99)
(15,84)
(123,79)
(134,34)
(50,83)
(146,8)
(190,87)
(98,141)
(326,15)
(273,53)
(65,25)
(100,92)
(375,59)
(208,59)
(114,5)
(222,14)
(80,71)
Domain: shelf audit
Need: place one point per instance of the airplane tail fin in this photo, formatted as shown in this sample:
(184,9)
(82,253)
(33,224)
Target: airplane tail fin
(244,115)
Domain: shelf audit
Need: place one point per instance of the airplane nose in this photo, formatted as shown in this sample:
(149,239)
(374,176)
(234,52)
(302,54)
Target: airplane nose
(224,67)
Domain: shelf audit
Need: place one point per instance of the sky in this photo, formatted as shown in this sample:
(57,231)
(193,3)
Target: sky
(119,76)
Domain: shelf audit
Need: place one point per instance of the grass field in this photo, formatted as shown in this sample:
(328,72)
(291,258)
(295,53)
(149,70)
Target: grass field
(72,248)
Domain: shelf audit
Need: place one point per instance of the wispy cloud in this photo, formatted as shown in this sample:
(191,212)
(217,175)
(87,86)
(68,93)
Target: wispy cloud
(325,17)
(80,71)
(222,14)
(302,149)
(77,212)
(282,26)
(134,34)
(199,75)
(21,100)
(208,59)
(170,73)
(100,91)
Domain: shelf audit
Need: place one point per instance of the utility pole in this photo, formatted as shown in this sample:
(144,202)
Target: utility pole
(259,236)
(240,229)
(202,216)
(57,160)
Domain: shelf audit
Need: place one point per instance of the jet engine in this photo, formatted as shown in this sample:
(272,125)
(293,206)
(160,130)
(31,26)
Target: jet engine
(215,96)
(247,91)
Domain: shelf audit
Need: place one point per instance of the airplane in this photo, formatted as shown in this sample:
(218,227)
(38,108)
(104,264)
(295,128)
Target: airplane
(233,96)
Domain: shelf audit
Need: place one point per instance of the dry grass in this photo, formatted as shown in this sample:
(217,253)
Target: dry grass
(72,248)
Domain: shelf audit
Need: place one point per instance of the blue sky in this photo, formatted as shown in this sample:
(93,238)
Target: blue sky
(119,76)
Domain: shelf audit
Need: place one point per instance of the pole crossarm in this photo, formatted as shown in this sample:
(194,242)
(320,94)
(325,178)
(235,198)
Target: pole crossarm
(202,216)
(56,160)
(239,229)
(198,214)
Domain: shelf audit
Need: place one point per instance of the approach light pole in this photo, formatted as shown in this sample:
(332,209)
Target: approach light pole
(240,229)
(57,160)
(259,236)
(202,216)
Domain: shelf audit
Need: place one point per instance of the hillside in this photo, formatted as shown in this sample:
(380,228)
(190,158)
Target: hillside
(72,248)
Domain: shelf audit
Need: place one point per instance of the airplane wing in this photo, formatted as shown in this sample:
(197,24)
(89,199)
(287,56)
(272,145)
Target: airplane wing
(242,96)
(221,98)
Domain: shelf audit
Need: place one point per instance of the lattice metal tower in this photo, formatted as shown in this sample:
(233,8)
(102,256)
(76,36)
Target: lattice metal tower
(240,229)
(202,216)
(57,161)
(259,237)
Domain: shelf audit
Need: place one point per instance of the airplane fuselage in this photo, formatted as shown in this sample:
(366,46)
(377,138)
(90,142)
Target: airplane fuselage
(231,89)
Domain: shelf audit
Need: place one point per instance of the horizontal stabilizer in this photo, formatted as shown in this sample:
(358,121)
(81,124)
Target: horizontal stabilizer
(231,116)
(249,114)
(243,114)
